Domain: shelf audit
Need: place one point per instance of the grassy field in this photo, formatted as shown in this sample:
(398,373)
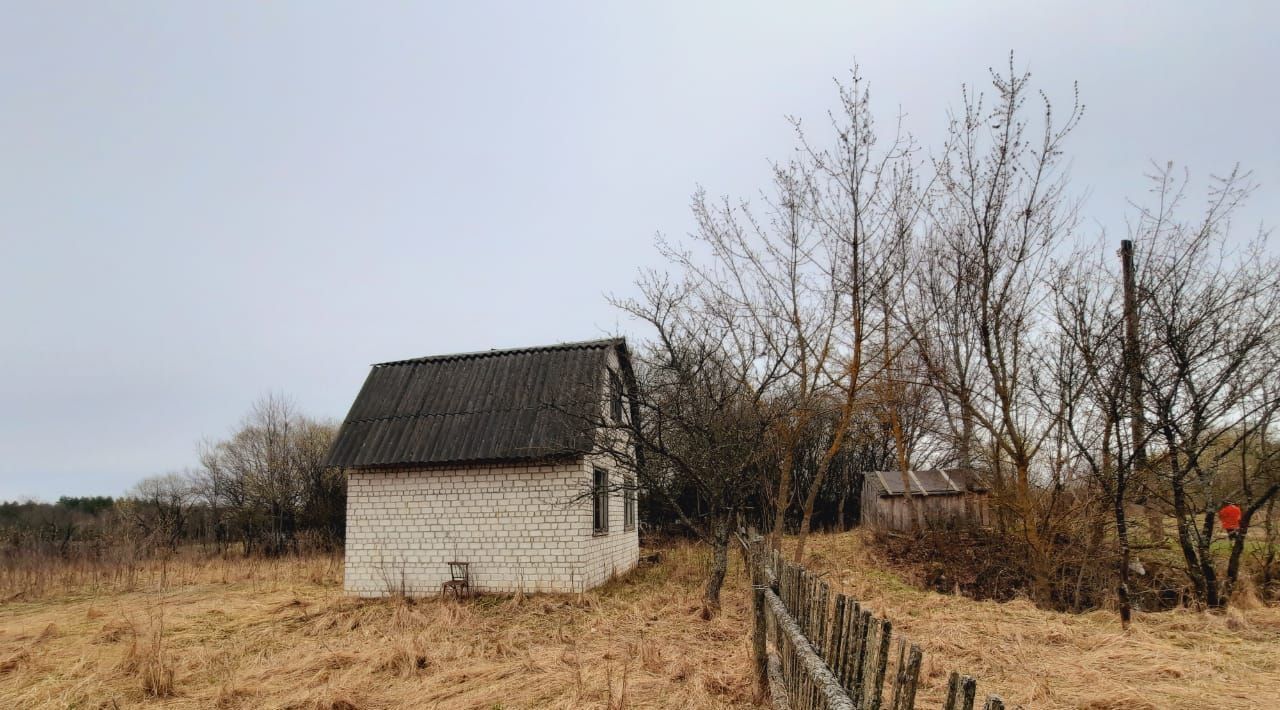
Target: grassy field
(252,634)
(1043,659)
(279,634)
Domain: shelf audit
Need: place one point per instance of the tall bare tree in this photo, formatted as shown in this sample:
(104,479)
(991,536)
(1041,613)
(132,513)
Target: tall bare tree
(158,508)
(267,481)
(999,210)
(700,419)
(1209,327)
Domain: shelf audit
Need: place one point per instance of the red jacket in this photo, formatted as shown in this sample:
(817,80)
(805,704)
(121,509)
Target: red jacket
(1230,515)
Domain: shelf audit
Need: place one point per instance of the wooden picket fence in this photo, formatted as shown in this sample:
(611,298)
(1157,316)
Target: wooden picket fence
(814,652)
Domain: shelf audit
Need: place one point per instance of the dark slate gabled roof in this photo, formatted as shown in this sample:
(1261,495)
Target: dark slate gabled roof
(500,405)
(934,482)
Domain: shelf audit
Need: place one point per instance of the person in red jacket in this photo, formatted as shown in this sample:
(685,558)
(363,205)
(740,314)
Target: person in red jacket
(1229,514)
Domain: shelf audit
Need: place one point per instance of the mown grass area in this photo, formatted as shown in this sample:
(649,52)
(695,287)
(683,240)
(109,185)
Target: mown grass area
(251,634)
(1045,659)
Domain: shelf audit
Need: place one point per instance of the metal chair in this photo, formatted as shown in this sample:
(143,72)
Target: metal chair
(459,582)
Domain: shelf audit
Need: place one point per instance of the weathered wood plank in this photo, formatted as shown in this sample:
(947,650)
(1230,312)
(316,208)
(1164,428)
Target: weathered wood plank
(837,636)
(776,684)
(908,679)
(759,633)
(821,613)
(875,699)
(953,692)
(815,651)
(832,695)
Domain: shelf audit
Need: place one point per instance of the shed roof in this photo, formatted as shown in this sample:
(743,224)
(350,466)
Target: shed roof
(934,481)
(498,405)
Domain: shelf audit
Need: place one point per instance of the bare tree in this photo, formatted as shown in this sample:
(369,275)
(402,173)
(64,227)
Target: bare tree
(766,273)
(158,508)
(699,417)
(268,480)
(999,209)
(863,204)
(1209,325)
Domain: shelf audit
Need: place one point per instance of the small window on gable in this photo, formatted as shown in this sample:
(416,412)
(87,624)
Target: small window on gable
(629,504)
(600,501)
(615,397)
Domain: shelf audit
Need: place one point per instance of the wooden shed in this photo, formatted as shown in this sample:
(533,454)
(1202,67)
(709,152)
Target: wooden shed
(946,496)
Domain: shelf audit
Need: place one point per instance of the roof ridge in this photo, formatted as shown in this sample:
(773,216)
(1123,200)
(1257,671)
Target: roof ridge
(576,345)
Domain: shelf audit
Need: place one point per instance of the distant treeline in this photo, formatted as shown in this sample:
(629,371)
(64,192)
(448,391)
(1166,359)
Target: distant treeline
(262,490)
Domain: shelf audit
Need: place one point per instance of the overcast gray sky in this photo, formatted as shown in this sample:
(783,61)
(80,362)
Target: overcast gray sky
(204,202)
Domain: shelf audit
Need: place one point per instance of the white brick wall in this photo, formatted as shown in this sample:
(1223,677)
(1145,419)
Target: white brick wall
(520,527)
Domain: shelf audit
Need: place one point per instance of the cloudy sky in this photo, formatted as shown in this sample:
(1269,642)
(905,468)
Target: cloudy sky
(204,202)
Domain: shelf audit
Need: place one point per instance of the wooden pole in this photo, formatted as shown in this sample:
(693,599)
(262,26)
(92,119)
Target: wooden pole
(1132,355)
(1137,420)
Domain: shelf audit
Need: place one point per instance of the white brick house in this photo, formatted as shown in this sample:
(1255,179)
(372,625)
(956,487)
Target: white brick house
(489,458)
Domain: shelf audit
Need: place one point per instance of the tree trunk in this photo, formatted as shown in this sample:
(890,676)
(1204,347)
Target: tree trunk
(1122,539)
(784,497)
(719,564)
(810,500)
(967,429)
(1039,558)
(1237,549)
(1185,543)
(1269,557)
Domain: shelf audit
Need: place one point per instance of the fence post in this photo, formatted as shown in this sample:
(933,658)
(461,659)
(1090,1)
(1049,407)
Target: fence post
(953,692)
(960,692)
(761,652)
(908,678)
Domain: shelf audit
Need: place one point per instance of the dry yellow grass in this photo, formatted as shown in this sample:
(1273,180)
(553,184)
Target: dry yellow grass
(253,634)
(1041,659)
(240,633)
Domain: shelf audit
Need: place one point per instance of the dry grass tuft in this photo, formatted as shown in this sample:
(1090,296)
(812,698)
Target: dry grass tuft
(1246,597)
(145,657)
(113,631)
(11,663)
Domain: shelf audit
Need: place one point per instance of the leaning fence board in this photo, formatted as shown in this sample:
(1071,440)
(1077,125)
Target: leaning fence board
(960,692)
(908,676)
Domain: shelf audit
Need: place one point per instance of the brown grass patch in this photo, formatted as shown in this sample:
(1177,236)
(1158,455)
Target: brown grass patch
(254,633)
(268,635)
(1045,659)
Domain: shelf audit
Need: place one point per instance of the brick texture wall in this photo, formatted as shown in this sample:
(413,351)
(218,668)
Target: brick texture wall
(521,527)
